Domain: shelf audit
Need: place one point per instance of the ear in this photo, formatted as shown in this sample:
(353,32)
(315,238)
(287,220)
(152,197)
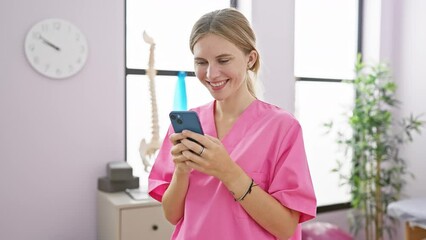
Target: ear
(252,58)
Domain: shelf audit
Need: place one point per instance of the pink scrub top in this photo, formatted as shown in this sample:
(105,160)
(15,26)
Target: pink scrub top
(267,143)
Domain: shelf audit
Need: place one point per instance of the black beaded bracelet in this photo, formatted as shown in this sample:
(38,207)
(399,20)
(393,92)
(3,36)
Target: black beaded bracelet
(246,193)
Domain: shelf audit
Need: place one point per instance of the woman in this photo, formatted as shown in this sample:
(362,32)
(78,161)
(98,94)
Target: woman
(247,177)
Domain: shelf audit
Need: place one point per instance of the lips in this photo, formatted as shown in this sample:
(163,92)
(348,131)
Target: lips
(218,85)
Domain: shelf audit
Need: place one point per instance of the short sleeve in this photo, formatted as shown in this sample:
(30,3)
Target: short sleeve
(291,183)
(162,170)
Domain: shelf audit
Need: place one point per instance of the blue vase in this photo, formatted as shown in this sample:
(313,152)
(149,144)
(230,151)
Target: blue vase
(180,100)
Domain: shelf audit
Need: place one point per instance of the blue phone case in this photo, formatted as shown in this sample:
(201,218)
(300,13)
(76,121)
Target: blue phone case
(188,120)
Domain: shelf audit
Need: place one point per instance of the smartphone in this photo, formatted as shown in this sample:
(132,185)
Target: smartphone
(185,120)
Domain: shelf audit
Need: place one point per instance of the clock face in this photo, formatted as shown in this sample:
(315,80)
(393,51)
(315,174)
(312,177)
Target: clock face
(56,48)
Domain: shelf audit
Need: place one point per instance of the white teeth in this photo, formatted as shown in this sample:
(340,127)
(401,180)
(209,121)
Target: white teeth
(218,84)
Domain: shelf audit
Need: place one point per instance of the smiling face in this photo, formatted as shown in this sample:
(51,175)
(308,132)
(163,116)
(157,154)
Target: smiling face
(221,67)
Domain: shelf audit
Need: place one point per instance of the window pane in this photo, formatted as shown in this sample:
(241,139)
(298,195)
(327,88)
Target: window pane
(318,103)
(138,112)
(325,38)
(169,23)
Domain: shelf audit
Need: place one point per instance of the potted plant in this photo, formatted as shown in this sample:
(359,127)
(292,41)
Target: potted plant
(378,171)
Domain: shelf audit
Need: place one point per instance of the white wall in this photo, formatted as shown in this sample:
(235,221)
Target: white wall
(56,136)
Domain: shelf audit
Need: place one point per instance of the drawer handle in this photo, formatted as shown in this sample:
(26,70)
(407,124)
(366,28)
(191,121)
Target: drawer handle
(154,227)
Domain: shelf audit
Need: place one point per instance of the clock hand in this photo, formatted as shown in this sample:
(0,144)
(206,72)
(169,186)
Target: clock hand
(49,43)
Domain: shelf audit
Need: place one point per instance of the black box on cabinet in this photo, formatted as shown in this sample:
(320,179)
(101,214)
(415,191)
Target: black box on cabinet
(119,178)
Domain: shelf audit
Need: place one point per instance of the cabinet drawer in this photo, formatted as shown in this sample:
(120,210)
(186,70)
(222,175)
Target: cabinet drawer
(144,223)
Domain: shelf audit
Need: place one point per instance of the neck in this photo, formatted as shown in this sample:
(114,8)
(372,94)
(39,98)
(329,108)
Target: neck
(233,107)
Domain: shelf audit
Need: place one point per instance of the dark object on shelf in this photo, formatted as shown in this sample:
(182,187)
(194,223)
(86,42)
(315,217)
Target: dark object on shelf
(119,171)
(119,178)
(107,185)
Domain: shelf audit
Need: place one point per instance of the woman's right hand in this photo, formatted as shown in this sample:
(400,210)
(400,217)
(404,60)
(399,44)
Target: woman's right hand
(173,201)
(176,151)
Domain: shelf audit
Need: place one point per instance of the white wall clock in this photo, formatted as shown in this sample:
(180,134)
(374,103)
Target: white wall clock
(56,48)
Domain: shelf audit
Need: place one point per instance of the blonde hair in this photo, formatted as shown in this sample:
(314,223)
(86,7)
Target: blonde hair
(233,26)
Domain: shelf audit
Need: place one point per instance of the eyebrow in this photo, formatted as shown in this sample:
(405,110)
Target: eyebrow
(219,56)
(224,55)
(198,59)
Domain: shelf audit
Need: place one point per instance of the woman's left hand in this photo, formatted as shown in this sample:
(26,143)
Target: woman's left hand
(213,160)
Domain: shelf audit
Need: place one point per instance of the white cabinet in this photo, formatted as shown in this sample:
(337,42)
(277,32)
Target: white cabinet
(122,218)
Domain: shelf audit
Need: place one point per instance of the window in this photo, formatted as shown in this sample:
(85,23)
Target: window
(318,103)
(169,23)
(326,45)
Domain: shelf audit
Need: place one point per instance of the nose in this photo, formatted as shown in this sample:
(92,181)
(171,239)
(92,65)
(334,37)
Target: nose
(212,71)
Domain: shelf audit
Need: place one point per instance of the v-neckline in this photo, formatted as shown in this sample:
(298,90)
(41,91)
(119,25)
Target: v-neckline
(236,122)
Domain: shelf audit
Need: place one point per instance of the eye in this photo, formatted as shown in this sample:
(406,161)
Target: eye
(223,61)
(198,62)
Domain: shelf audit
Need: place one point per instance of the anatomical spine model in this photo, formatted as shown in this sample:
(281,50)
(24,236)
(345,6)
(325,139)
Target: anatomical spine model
(148,150)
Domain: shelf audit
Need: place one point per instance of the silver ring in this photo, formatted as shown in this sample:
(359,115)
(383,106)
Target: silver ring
(201,152)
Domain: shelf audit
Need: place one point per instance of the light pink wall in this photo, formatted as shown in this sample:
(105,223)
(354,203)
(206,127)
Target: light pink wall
(273,22)
(408,58)
(56,136)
